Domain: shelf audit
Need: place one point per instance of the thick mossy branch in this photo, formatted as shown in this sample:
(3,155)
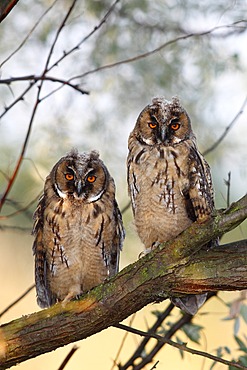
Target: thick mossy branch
(175,268)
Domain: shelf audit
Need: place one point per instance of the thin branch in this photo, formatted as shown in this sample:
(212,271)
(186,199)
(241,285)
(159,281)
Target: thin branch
(185,319)
(65,54)
(24,147)
(154,366)
(139,350)
(68,357)
(228,185)
(125,208)
(96,28)
(227,129)
(20,98)
(138,354)
(122,342)
(17,300)
(15,228)
(22,209)
(181,347)
(156,50)
(29,34)
(42,77)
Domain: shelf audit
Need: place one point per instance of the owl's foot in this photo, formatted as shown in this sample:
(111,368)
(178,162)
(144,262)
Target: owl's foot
(148,250)
(72,295)
(143,253)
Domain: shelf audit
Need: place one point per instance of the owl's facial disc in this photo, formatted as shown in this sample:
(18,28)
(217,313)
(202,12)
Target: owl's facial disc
(165,130)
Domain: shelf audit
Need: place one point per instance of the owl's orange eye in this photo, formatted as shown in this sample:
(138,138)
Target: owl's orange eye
(91,178)
(175,125)
(152,125)
(69,176)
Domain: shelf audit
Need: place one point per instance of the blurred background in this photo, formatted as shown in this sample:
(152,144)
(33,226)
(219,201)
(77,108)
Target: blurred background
(123,54)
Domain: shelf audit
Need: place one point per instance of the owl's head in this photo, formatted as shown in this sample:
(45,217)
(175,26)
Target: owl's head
(163,122)
(80,176)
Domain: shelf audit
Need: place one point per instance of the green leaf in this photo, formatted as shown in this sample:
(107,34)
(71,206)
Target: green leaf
(178,340)
(242,345)
(213,364)
(243,360)
(243,312)
(193,331)
(156,313)
(227,349)
(236,326)
(219,352)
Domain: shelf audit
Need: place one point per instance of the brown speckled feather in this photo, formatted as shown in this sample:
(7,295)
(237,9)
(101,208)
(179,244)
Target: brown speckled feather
(78,229)
(169,181)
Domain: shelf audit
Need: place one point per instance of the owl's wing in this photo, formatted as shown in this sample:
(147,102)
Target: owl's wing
(117,243)
(201,193)
(132,182)
(199,202)
(41,266)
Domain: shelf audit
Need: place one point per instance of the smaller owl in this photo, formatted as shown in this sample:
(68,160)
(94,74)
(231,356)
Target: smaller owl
(169,181)
(78,229)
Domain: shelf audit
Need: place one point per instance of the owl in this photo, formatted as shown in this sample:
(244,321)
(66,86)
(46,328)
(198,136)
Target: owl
(78,229)
(169,181)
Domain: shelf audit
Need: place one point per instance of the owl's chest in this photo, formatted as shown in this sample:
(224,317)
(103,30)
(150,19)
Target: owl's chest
(164,178)
(72,228)
(160,205)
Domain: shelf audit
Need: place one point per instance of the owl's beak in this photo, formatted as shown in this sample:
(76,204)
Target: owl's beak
(163,133)
(79,188)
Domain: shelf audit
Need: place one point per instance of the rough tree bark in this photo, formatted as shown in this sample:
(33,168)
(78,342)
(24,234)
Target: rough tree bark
(177,267)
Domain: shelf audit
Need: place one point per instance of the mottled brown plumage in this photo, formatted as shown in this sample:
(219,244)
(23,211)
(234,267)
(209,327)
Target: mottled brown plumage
(169,180)
(78,229)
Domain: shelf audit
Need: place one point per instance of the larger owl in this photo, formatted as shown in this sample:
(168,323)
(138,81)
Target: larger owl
(169,180)
(78,229)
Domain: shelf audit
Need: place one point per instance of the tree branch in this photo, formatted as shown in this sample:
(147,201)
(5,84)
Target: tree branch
(5,7)
(161,47)
(176,268)
(181,347)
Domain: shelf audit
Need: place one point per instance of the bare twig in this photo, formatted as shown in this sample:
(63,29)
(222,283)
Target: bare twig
(155,365)
(21,210)
(20,159)
(15,228)
(227,129)
(53,79)
(140,349)
(17,300)
(19,98)
(68,357)
(122,343)
(181,347)
(126,207)
(42,77)
(228,185)
(158,49)
(29,34)
(138,354)
(96,28)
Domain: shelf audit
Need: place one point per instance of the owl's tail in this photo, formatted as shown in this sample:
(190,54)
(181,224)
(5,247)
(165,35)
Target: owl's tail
(190,303)
(43,291)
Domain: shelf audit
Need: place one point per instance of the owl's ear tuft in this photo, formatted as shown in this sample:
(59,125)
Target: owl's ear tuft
(73,153)
(94,155)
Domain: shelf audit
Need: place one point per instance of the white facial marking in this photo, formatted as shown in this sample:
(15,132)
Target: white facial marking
(60,193)
(95,197)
